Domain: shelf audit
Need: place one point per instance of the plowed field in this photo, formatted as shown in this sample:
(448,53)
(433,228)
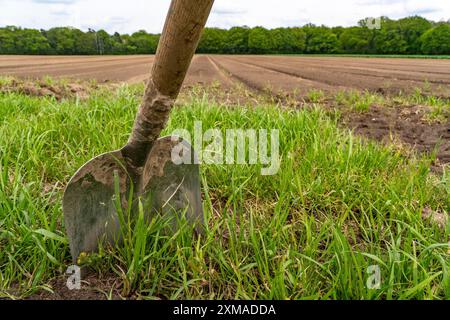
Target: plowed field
(279,74)
(283,77)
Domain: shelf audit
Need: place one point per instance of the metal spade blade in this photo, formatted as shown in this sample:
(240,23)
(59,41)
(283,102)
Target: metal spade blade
(173,188)
(165,187)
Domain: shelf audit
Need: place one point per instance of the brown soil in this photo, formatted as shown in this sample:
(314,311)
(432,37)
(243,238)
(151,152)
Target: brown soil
(93,288)
(279,72)
(41,88)
(378,75)
(242,80)
(406,125)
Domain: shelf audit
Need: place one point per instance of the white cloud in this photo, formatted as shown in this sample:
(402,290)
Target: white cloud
(132,15)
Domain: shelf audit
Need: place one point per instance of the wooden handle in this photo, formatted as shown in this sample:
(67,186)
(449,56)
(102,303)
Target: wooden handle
(184,25)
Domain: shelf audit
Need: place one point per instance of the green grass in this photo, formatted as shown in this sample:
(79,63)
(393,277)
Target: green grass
(358,101)
(337,206)
(316,96)
(439,107)
(436,109)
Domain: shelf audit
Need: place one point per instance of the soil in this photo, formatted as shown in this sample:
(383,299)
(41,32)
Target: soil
(389,76)
(242,80)
(93,287)
(40,88)
(284,72)
(406,124)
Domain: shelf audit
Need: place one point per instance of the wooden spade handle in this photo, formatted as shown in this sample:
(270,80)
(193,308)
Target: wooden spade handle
(184,25)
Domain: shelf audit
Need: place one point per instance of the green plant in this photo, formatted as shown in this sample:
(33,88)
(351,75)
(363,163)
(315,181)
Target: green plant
(337,206)
(315,96)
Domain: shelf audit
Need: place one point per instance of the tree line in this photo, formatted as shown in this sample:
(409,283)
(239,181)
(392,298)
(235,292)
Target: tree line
(411,35)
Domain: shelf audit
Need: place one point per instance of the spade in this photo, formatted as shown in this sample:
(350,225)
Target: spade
(145,166)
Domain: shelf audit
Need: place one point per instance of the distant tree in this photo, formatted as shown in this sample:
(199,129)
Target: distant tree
(104,42)
(411,29)
(30,41)
(64,40)
(237,40)
(86,43)
(117,44)
(411,35)
(127,44)
(338,31)
(143,42)
(320,39)
(7,40)
(14,40)
(355,40)
(214,40)
(437,40)
(299,40)
(259,40)
(287,40)
(389,39)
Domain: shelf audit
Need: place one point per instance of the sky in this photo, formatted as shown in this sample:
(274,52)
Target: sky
(128,16)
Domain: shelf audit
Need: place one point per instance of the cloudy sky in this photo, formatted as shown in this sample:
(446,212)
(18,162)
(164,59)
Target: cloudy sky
(127,16)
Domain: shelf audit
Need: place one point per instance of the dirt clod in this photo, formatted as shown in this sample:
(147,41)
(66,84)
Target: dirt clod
(435,217)
(57,90)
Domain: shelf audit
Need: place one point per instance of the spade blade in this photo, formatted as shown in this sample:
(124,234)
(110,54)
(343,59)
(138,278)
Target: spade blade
(90,200)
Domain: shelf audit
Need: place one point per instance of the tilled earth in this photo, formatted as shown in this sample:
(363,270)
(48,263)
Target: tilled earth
(286,79)
(279,73)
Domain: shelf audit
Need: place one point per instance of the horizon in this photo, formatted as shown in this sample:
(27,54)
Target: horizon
(138,15)
(237,26)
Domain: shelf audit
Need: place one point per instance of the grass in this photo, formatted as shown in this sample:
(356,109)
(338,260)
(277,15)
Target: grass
(358,101)
(316,96)
(439,107)
(436,109)
(337,206)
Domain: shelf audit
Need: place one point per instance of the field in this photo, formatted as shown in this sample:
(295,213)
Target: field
(422,85)
(280,74)
(365,148)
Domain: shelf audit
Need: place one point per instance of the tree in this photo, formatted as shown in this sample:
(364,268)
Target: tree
(104,42)
(7,40)
(436,40)
(32,42)
(355,40)
(338,31)
(63,40)
(389,40)
(237,40)
(287,40)
(259,41)
(86,43)
(320,39)
(411,29)
(143,42)
(14,40)
(214,40)
(117,44)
